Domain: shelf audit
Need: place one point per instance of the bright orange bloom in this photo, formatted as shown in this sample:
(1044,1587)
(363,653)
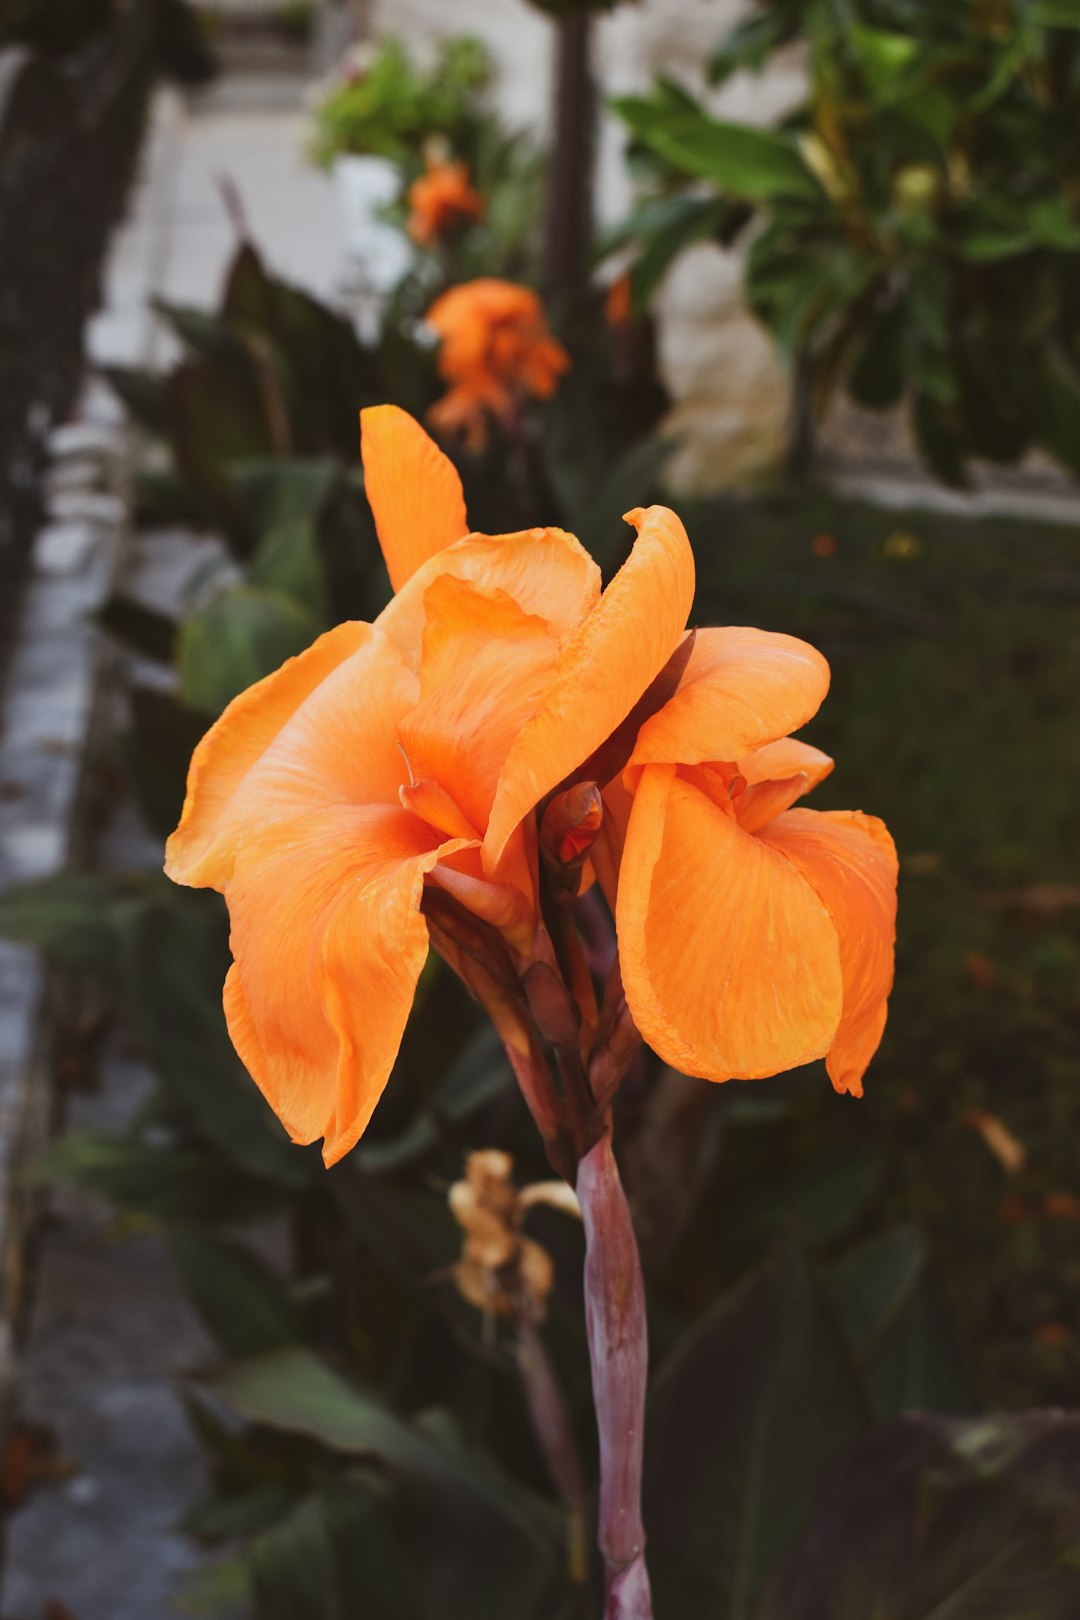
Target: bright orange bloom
(495,349)
(396,764)
(442,201)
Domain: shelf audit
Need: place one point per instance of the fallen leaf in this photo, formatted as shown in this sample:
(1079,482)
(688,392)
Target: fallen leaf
(1007,1150)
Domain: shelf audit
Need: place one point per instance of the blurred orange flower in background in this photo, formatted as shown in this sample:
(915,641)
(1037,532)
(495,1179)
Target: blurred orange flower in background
(495,350)
(442,201)
(395,767)
(619,302)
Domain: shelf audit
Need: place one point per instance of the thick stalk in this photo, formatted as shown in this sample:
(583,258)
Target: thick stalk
(618,1351)
(570,197)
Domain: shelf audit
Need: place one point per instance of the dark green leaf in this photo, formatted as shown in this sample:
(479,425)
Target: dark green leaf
(932,1517)
(242,1303)
(753,164)
(145,394)
(333,1556)
(82,920)
(742,1417)
(462,1516)
(750,43)
(156,1183)
(936,436)
(897,1328)
(242,635)
(143,629)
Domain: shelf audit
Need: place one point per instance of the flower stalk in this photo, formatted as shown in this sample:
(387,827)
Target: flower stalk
(618,1351)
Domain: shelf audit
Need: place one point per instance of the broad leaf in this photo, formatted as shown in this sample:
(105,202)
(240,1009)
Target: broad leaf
(242,635)
(930,1518)
(897,1327)
(460,1516)
(753,164)
(242,1303)
(753,1403)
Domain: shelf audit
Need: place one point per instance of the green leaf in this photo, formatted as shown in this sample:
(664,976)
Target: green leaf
(759,1395)
(753,164)
(878,375)
(141,628)
(177,961)
(461,1515)
(818,1200)
(932,1517)
(334,1555)
(242,1303)
(749,44)
(208,336)
(938,440)
(883,56)
(158,1183)
(220,415)
(156,751)
(223,1587)
(81,920)
(287,499)
(145,395)
(898,1330)
(242,635)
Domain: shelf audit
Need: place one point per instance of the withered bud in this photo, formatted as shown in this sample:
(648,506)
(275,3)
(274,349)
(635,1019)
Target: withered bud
(501,1271)
(570,824)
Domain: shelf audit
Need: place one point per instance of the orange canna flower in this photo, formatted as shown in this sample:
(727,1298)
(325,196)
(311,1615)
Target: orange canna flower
(442,202)
(495,350)
(381,790)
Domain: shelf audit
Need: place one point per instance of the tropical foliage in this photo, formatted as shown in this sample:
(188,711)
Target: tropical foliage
(916,228)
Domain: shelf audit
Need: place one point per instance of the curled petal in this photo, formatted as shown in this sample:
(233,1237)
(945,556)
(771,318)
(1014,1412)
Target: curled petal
(603,669)
(328,944)
(730,960)
(741,688)
(787,757)
(850,861)
(546,572)
(234,746)
(414,491)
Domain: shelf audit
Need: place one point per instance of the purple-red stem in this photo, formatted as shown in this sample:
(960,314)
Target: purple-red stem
(618,1351)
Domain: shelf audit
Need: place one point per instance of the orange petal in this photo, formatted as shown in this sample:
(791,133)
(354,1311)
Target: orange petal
(850,860)
(414,491)
(485,666)
(546,572)
(741,688)
(787,757)
(329,944)
(603,669)
(338,746)
(239,739)
(730,960)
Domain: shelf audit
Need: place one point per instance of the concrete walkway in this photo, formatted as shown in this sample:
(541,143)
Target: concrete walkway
(110,1328)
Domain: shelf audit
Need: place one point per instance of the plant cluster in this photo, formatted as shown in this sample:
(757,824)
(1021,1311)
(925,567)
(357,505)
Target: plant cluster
(383,103)
(917,219)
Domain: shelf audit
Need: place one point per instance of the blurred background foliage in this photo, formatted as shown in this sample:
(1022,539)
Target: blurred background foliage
(818,1270)
(915,220)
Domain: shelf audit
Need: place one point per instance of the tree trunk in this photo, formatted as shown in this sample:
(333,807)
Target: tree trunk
(569,238)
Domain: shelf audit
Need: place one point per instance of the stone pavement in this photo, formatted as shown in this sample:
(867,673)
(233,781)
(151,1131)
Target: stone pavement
(109,1327)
